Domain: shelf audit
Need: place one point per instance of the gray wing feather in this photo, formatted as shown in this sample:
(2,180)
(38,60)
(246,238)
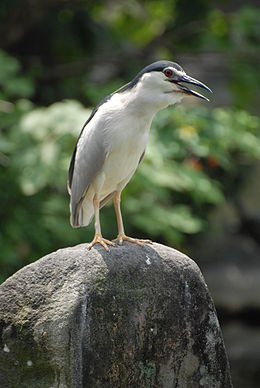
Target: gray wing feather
(90,155)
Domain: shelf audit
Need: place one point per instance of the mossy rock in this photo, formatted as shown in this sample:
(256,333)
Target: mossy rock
(131,317)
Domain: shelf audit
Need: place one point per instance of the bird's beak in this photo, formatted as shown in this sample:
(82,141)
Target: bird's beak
(189,80)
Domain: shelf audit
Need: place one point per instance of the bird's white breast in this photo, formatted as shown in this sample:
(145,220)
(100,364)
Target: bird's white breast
(126,136)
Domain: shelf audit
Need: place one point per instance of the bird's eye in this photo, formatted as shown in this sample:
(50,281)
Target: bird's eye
(168,73)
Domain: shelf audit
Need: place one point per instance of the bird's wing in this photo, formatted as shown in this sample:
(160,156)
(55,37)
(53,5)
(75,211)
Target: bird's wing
(88,157)
(83,130)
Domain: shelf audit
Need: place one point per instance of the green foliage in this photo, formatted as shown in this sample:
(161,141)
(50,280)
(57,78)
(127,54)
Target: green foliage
(34,157)
(237,35)
(136,24)
(12,83)
(192,161)
(245,38)
(49,134)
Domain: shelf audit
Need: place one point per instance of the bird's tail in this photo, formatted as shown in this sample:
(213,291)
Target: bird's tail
(83,213)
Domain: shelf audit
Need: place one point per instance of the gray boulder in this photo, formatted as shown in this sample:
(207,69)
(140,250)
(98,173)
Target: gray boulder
(131,317)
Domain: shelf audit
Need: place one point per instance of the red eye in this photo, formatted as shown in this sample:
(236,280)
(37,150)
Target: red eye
(168,73)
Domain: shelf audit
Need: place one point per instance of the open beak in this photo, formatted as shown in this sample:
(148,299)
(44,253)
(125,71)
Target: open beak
(189,80)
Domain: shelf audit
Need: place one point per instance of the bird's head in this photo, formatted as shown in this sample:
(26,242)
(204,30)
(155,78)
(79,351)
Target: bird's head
(164,83)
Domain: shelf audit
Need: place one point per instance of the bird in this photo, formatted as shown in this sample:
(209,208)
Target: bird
(113,140)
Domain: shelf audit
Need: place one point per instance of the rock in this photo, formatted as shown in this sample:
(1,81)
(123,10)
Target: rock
(131,317)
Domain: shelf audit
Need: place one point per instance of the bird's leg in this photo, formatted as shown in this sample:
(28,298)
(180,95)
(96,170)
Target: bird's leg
(121,232)
(98,238)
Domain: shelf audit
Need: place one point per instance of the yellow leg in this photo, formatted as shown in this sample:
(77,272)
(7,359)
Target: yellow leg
(121,232)
(98,239)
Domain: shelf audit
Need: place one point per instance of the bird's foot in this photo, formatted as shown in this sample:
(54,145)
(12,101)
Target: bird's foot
(122,237)
(98,239)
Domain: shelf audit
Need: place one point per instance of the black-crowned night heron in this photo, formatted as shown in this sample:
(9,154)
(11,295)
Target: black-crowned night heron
(113,140)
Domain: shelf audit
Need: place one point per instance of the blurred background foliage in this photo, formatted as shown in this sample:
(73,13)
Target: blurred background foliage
(59,58)
(198,187)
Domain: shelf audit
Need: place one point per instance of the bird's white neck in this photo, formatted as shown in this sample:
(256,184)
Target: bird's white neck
(145,100)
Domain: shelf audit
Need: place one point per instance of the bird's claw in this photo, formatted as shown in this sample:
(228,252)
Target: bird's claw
(122,237)
(99,239)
